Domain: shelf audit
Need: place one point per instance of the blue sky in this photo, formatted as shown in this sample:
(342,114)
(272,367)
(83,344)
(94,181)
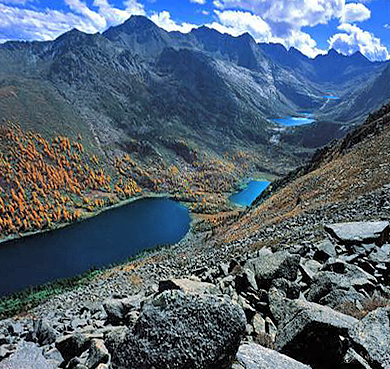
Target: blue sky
(312,26)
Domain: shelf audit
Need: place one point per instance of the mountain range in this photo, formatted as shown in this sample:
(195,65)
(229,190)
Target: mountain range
(137,88)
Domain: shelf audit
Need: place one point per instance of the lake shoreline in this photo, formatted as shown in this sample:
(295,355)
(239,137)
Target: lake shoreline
(93,214)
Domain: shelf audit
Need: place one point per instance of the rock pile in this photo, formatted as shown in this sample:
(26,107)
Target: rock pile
(320,305)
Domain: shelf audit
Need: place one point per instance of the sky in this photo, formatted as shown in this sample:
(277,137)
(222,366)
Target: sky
(311,26)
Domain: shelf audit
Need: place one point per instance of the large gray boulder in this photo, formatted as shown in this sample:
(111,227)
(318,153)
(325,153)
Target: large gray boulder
(309,332)
(253,356)
(181,331)
(27,356)
(268,267)
(187,285)
(45,334)
(371,337)
(360,232)
(117,309)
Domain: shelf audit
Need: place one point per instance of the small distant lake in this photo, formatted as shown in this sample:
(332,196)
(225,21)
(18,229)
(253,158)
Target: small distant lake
(110,237)
(295,121)
(249,194)
(331,97)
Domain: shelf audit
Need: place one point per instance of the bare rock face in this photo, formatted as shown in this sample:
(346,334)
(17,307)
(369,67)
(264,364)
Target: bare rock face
(253,356)
(360,232)
(278,265)
(181,331)
(310,332)
(27,356)
(371,336)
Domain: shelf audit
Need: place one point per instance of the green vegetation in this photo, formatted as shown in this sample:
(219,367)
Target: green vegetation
(23,301)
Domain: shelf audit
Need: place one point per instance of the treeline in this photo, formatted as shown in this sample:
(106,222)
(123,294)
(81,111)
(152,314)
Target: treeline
(43,182)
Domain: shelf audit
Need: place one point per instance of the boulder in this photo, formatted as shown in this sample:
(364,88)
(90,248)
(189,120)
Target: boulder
(44,333)
(354,361)
(117,309)
(310,332)
(268,267)
(290,289)
(308,269)
(181,331)
(244,280)
(27,356)
(371,337)
(342,298)
(324,250)
(360,232)
(72,345)
(97,354)
(253,356)
(187,286)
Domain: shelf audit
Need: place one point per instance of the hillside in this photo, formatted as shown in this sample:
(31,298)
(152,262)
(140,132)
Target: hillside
(138,89)
(298,281)
(337,174)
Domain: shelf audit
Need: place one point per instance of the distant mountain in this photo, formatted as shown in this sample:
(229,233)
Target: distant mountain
(139,88)
(369,96)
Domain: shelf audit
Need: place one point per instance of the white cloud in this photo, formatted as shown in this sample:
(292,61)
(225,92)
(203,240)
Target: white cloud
(355,39)
(17,2)
(297,13)
(116,16)
(237,22)
(387,26)
(46,24)
(355,12)
(164,20)
(201,2)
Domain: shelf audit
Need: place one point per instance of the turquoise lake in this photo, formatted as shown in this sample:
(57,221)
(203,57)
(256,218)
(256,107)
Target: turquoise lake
(294,121)
(331,97)
(249,194)
(110,237)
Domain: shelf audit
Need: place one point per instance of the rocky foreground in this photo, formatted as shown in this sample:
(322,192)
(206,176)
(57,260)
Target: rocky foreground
(319,304)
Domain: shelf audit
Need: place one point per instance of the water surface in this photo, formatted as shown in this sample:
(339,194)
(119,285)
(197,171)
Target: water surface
(295,121)
(110,237)
(249,194)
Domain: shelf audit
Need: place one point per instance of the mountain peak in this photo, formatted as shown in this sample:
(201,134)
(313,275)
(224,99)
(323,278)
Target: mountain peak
(138,21)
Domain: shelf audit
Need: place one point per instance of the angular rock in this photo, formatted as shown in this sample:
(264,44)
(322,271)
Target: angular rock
(324,250)
(15,328)
(97,354)
(339,298)
(310,332)
(117,309)
(27,356)
(360,232)
(290,289)
(181,331)
(187,286)
(309,268)
(253,356)
(353,360)
(45,334)
(371,337)
(268,267)
(244,280)
(72,345)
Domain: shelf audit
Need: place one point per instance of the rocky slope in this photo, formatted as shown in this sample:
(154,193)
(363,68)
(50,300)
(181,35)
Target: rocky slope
(311,289)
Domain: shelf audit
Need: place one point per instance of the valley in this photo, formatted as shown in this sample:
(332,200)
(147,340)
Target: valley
(160,187)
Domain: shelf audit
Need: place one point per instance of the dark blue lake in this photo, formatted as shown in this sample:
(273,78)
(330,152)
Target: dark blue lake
(110,237)
(294,121)
(249,194)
